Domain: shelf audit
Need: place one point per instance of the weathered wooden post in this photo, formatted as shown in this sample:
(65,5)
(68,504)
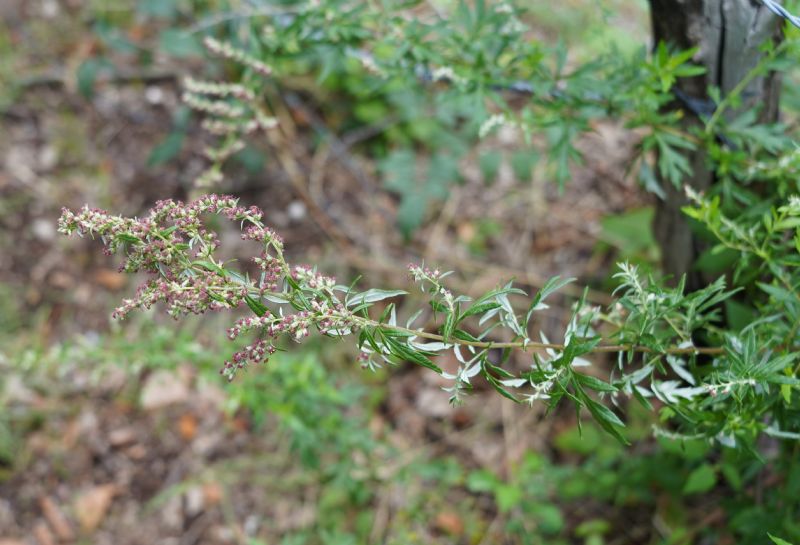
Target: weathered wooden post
(728,34)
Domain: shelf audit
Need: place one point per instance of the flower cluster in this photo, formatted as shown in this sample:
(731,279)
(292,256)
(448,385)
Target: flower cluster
(249,323)
(423,275)
(228,149)
(328,319)
(218,89)
(239,126)
(233,110)
(491,123)
(333,319)
(304,273)
(257,352)
(194,295)
(421,272)
(174,246)
(221,108)
(228,51)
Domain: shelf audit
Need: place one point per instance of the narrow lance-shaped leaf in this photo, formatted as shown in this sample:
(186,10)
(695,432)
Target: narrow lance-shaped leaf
(256,306)
(409,354)
(478,308)
(594,383)
(372,296)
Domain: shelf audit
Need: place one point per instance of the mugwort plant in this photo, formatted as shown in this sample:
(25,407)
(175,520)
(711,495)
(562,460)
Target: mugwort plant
(730,391)
(717,364)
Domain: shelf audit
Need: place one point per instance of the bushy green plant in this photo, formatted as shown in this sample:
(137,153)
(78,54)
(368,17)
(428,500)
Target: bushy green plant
(452,79)
(724,381)
(745,390)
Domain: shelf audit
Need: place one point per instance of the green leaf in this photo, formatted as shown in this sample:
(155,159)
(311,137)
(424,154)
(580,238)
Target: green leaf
(577,347)
(449,325)
(181,118)
(481,481)
(783,380)
(168,149)
(125,237)
(409,354)
(411,212)
(236,277)
(739,315)
(502,373)
(113,38)
(630,233)
(593,527)
(549,518)
(602,414)
(649,181)
(489,164)
(87,73)
(387,312)
(643,401)
(777,540)
(213,267)
(478,308)
(400,174)
(256,306)
(216,297)
(497,386)
(594,383)
(551,286)
(180,43)
(505,290)
(372,296)
(672,164)
(700,480)
(368,336)
(251,159)
(780,294)
(731,473)
(507,496)
(786,393)
(522,163)
(158,8)
(399,170)
(788,223)
(462,335)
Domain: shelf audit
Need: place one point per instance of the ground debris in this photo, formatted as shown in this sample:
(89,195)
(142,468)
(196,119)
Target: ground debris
(56,519)
(91,506)
(161,389)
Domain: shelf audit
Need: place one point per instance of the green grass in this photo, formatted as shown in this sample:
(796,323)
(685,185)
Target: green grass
(312,438)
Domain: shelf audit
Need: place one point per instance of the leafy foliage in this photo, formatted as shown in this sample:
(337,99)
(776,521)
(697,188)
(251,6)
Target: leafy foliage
(744,390)
(445,81)
(718,365)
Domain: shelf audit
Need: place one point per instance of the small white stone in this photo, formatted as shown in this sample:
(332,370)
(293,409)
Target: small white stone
(251,525)
(163,388)
(43,229)
(49,9)
(48,158)
(194,501)
(296,210)
(171,512)
(154,95)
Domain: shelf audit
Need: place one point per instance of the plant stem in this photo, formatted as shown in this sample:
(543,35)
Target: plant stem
(525,345)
